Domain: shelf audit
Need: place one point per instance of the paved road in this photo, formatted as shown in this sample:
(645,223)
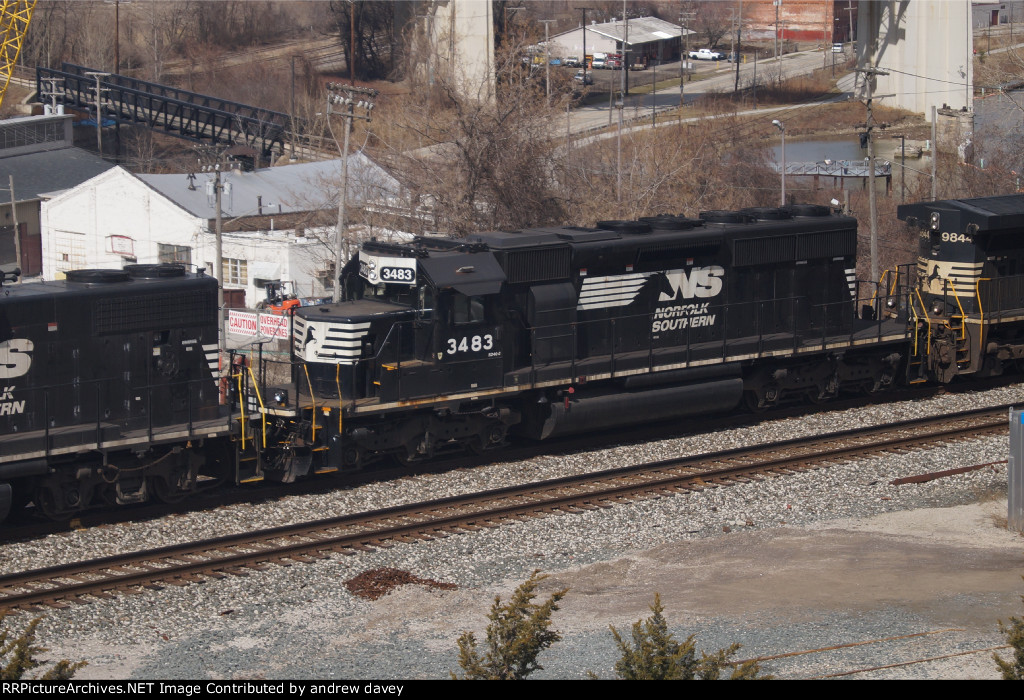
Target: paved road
(709,78)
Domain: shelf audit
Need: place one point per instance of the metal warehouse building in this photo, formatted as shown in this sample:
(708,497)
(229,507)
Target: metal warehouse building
(648,37)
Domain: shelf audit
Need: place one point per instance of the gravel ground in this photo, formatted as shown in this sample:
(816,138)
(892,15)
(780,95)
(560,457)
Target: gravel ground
(820,559)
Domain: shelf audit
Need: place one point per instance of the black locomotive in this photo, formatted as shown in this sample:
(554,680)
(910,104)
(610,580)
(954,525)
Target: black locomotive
(451,344)
(968,306)
(108,387)
(110,391)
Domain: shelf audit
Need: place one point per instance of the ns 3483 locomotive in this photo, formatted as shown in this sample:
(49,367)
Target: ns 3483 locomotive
(451,344)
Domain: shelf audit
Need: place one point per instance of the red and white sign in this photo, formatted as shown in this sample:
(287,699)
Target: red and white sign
(251,324)
(121,245)
(243,322)
(273,326)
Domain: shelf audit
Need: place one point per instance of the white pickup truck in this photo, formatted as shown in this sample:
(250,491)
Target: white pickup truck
(706,55)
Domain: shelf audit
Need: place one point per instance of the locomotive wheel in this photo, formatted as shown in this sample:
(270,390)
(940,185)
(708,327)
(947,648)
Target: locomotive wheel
(352,457)
(52,505)
(752,401)
(166,493)
(490,438)
(404,459)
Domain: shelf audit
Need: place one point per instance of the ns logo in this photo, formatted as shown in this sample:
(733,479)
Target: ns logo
(702,282)
(15,357)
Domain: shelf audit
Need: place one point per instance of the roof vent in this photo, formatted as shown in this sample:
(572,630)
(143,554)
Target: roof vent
(766,213)
(155,271)
(625,226)
(96,276)
(719,216)
(808,210)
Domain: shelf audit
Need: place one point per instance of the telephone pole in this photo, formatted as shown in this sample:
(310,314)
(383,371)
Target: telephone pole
(215,165)
(349,98)
(869,73)
(684,59)
(99,108)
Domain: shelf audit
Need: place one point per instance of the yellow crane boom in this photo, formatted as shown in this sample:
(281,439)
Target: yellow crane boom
(15,16)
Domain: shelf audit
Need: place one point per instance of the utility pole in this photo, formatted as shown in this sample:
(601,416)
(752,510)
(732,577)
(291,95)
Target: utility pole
(739,24)
(869,73)
(684,60)
(215,166)
(17,228)
(851,34)
(777,4)
(99,108)
(584,11)
(53,88)
(625,53)
(348,97)
(547,58)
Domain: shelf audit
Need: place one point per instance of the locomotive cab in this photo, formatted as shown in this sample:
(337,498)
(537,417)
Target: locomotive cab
(968,308)
(414,319)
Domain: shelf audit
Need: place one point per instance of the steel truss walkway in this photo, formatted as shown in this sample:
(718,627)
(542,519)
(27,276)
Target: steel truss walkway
(185,114)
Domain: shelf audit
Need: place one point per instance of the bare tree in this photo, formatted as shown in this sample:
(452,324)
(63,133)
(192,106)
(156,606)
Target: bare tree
(374,26)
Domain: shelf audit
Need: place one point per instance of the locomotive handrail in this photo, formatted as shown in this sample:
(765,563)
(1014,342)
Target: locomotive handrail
(263,408)
(312,397)
(927,320)
(337,383)
(977,296)
(242,402)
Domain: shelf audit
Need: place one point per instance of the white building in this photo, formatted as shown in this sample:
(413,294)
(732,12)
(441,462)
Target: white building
(645,37)
(117,218)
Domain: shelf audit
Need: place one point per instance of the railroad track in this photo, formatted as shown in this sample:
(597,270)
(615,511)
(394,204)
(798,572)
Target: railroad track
(59,586)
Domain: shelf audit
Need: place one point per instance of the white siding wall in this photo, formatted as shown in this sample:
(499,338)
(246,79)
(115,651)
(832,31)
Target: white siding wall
(77,226)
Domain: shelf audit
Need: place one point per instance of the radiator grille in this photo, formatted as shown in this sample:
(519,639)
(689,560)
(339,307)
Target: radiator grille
(544,265)
(128,314)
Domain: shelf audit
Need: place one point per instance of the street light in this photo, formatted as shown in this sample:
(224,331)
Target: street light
(782,130)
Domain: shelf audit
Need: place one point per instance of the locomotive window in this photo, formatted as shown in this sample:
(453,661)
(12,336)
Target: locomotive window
(467,309)
(394,293)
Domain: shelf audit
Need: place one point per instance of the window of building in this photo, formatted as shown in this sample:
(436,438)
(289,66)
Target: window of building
(174,253)
(235,271)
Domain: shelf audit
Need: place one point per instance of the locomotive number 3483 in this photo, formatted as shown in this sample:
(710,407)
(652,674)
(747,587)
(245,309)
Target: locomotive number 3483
(476,343)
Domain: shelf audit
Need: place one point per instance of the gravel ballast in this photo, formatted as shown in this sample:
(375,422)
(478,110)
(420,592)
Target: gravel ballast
(819,559)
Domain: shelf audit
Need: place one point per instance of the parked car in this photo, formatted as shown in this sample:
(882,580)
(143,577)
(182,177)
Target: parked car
(583,78)
(837,48)
(572,61)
